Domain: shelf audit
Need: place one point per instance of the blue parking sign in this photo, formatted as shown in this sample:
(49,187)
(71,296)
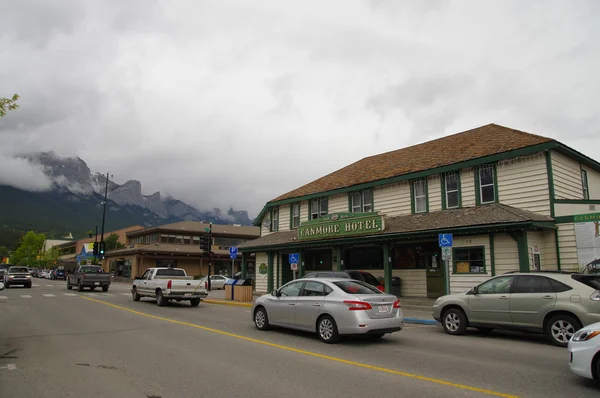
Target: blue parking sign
(294,257)
(445,240)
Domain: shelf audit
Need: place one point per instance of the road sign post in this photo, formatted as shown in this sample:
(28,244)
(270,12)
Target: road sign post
(293,260)
(233,251)
(445,243)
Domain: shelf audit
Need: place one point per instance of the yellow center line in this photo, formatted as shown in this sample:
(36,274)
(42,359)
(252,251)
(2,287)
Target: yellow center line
(312,354)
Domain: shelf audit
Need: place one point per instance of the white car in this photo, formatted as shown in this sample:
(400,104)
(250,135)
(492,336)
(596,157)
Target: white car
(584,352)
(216,281)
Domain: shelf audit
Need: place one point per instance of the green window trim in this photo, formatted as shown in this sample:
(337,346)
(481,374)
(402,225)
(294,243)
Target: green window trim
(292,206)
(274,219)
(413,205)
(444,199)
(454,249)
(362,200)
(319,200)
(478,184)
(584,185)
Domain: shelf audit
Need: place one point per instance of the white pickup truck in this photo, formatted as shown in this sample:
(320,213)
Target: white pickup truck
(166,284)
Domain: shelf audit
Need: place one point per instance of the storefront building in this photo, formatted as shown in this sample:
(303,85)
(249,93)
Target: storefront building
(511,200)
(178,245)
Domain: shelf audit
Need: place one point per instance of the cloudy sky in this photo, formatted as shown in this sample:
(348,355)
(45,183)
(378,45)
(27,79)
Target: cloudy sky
(235,102)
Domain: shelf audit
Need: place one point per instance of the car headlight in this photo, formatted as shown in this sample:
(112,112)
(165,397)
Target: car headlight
(585,335)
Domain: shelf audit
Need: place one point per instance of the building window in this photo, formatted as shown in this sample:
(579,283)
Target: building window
(318,208)
(451,191)
(164,238)
(187,240)
(419,196)
(196,240)
(295,215)
(274,224)
(469,260)
(361,201)
(487,185)
(584,184)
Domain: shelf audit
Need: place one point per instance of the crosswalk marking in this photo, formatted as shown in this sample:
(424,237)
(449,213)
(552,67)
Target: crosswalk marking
(71,294)
(35,285)
(92,294)
(49,285)
(48,295)
(3,298)
(25,296)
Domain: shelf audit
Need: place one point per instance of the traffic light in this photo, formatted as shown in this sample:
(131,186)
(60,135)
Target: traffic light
(101,251)
(205,243)
(95,248)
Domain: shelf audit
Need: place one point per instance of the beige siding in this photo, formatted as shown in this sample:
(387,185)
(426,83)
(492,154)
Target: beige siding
(467,187)
(593,183)
(570,209)
(413,282)
(264,229)
(568,247)
(303,211)
(261,279)
(506,254)
(434,186)
(567,177)
(338,204)
(392,200)
(549,261)
(524,184)
(284,217)
(463,282)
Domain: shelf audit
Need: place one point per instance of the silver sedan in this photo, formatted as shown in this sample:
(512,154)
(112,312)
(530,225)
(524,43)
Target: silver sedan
(331,307)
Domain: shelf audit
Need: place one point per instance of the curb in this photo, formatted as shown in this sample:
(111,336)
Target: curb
(240,304)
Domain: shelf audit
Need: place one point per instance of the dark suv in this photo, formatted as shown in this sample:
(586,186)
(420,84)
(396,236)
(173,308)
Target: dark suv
(59,274)
(356,275)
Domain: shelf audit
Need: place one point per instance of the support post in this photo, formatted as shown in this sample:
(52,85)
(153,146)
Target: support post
(270,272)
(387,267)
(244,265)
(300,263)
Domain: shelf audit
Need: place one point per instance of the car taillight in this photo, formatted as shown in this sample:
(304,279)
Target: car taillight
(82,276)
(168,284)
(206,284)
(381,288)
(397,304)
(595,296)
(357,305)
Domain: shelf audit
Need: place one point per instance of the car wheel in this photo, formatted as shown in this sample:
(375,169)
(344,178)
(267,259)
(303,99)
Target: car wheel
(485,330)
(454,321)
(160,299)
(28,286)
(261,319)
(561,328)
(327,330)
(135,295)
(79,286)
(105,289)
(195,302)
(69,287)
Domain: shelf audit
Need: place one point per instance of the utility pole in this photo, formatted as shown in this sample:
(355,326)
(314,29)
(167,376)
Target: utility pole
(209,254)
(96,245)
(104,209)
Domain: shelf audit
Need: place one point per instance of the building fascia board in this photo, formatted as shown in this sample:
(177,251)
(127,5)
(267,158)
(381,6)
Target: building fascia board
(576,155)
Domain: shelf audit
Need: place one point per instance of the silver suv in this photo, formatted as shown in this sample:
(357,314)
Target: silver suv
(554,303)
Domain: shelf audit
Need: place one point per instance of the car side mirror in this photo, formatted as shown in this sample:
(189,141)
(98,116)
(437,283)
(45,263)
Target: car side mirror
(473,290)
(275,293)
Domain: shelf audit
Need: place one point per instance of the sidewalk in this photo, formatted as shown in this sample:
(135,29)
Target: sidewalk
(416,309)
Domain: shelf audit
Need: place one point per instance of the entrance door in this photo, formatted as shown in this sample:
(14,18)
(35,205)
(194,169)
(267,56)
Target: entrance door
(435,273)
(287,274)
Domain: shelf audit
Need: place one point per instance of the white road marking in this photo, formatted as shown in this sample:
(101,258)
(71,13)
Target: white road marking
(71,294)
(35,285)
(92,294)
(3,298)
(25,296)
(49,285)
(10,366)
(106,294)
(48,295)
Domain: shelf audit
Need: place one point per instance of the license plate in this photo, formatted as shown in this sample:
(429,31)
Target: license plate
(383,309)
(187,294)
(97,283)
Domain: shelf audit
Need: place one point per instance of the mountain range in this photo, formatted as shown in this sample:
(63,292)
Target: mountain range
(74,202)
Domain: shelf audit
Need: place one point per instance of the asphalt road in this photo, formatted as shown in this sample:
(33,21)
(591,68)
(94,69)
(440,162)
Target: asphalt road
(60,343)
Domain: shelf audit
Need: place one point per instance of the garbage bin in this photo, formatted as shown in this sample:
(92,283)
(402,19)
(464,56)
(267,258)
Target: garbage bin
(396,286)
(229,291)
(243,290)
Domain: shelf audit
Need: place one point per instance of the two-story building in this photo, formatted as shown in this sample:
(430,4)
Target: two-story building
(511,200)
(178,245)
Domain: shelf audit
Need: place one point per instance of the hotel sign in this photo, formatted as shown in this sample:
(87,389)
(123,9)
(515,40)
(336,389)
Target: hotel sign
(587,217)
(341,225)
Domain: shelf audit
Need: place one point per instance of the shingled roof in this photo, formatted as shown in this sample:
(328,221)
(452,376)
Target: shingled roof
(479,216)
(472,144)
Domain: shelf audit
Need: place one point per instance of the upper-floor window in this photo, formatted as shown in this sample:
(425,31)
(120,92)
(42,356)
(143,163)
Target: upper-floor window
(487,184)
(584,184)
(318,208)
(361,201)
(451,190)
(419,196)
(274,225)
(295,215)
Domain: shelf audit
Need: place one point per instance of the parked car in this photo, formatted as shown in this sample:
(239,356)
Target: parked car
(59,274)
(330,307)
(584,352)
(3,268)
(17,275)
(363,276)
(556,304)
(166,284)
(90,276)
(216,281)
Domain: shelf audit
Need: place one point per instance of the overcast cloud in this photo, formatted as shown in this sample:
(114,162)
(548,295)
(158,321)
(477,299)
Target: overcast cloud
(223,103)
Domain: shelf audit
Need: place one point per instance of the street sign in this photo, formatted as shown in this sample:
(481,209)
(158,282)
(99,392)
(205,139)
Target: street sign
(445,240)
(446,253)
(294,257)
(233,251)
(294,266)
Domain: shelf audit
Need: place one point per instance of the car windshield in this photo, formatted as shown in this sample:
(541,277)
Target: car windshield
(17,270)
(170,272)
(356,287)
(90,270)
